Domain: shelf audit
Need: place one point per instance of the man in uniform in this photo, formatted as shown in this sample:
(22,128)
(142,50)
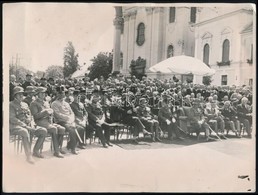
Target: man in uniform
(21,124)
(64,116)
(43,116)
(147,119)
(30,92)
(97,120)
(81,117)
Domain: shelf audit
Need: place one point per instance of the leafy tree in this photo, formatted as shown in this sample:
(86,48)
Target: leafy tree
(55,72)
(19,71)
(138,67)
(40,74)
(101,65)
(70,60)
(206,80)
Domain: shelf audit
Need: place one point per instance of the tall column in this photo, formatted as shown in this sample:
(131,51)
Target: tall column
(118,23)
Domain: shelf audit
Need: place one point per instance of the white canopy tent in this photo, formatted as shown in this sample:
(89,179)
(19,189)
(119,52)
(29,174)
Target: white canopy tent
(80,72)
(183,65)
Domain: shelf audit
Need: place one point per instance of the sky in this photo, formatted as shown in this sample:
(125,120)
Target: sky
(38,32)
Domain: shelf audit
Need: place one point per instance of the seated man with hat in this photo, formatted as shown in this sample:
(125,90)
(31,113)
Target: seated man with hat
(147,119)
(97,120)
(30,94)
(167,120)
(81,117)
(215,118)
(64,116)
(43,116)
(20,121)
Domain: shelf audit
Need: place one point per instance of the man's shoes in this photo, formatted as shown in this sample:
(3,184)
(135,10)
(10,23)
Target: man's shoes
(109,144)
(135,141)
(159,140)
(58,155)
(81,147)
(223,136)
(180,138)
(153,139)
(38,155)
(145,132)
(62,152)
(74,152)
(105,146)
(210,139)
(30,160)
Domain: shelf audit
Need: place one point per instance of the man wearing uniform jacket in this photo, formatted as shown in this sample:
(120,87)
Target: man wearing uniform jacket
(21,124)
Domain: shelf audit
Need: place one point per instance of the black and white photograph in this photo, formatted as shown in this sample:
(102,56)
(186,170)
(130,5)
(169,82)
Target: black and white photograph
(129,97)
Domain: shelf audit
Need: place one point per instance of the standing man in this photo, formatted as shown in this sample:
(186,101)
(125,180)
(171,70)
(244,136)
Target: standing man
(12,85)
(43,116)
(28,81)
(64,116)
(20,120)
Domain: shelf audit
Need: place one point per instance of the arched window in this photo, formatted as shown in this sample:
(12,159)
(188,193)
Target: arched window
(121,59)
(140,34)
(193,15)
(170,51)
(206,53)
(172,14)
(225,51)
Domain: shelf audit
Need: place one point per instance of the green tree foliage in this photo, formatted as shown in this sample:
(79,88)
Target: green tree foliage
(40,74)
(70,60)
(206,80)
(55,72)
(138,67)
(19,71)
(101,65)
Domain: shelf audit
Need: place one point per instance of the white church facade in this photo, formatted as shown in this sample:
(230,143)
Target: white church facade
(222,37)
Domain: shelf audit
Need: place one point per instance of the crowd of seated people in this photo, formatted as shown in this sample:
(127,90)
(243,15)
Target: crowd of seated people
(148,106)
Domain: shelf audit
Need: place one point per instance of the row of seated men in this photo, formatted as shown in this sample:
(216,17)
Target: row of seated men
(38,117)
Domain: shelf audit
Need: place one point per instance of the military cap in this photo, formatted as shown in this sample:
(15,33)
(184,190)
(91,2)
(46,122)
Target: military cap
(43,78)
(50,79)
(28,75)
(61,89)
(30,89)
(41,90)
(142,100)
(18,89)
(82,90)
(71,89)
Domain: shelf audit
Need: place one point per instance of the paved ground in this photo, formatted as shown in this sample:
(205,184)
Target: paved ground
(204,167)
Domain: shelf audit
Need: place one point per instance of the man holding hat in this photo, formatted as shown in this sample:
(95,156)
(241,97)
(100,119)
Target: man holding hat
(20,120)
(43,116)
(64,116)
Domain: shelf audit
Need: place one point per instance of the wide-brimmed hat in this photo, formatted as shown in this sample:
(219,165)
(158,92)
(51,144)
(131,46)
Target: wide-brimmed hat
(41,90)
(28,75)
(61,89)
(30,89)
(18,89)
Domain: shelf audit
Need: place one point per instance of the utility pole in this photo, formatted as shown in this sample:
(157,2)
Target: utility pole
(16,64)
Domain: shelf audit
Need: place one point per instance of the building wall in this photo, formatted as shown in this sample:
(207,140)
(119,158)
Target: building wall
(214,33)
(189,39)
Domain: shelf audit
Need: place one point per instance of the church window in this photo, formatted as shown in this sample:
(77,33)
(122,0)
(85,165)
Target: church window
(225,51)
(140,34)
(193,15)
(206,53)
(172,14)
(170,51)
